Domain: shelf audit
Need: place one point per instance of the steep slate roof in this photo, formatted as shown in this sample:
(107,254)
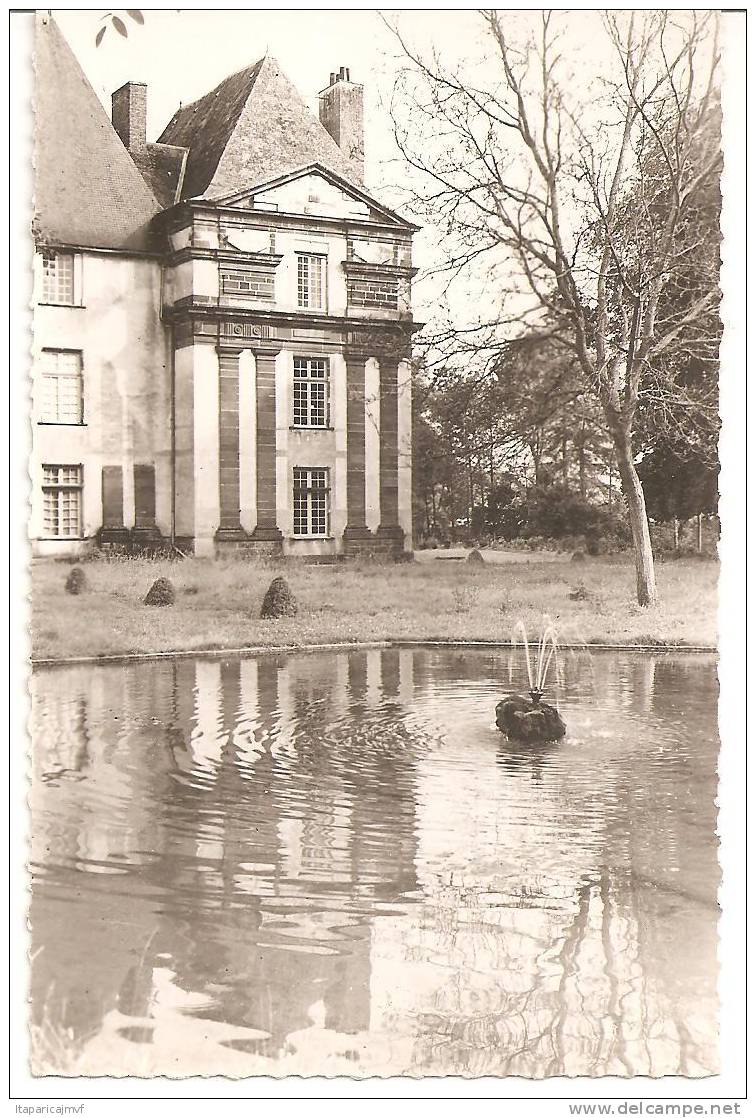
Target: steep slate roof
(251,128)
(162,168)
(87,190)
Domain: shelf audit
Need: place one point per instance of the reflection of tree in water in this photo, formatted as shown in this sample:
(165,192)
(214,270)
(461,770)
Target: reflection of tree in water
(557,996)
(605,969)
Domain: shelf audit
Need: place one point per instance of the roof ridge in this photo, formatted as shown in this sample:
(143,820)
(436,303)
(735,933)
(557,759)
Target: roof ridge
(228,78)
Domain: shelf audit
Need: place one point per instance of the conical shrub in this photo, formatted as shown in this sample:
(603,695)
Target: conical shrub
(76,583)
(161,593)
(279,600)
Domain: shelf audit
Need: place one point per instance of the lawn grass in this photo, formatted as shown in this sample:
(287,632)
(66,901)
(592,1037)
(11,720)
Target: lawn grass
(218,604)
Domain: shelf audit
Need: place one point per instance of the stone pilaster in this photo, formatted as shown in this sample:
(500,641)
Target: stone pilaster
(389,527)
(228,441)
(356,527)
(266,528)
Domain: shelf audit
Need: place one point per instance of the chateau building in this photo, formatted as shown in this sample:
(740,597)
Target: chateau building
(222,322)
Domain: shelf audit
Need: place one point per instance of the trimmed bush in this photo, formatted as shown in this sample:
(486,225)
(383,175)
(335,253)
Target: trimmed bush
(161,593)
(578,557)
(475,557)
(76,582)
(279,600)
(579,594)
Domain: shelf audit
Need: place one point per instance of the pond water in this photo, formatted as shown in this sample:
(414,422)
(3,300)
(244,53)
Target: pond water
(335,864)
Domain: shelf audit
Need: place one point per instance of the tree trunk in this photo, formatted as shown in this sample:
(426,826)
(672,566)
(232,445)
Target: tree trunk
(535,452)
(645,577)
(452,510)
(676,529)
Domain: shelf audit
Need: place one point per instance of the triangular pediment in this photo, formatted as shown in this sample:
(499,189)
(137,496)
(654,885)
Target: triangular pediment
(315,191)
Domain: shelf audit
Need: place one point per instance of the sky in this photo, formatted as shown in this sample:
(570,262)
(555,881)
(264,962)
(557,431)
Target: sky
(182,54)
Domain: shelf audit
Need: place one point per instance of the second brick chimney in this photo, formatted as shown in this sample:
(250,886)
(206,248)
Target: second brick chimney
(341,114)
(130,115)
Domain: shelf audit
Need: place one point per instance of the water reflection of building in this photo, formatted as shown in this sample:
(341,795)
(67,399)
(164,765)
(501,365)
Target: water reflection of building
(266,836)
(98,761)
(342,851)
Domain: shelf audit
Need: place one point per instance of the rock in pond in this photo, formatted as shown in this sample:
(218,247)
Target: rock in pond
(279,600)
(520,718)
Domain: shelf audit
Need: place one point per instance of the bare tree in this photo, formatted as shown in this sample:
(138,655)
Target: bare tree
(578,193)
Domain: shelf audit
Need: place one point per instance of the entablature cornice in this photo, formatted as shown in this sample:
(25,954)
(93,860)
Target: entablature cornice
(389,339)
(218,312)
(367,268)
(225,255)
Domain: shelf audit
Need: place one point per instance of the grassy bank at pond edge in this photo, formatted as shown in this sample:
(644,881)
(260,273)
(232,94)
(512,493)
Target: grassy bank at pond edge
(218,604)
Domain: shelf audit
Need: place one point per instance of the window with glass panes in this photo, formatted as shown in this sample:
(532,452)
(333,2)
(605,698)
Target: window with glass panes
(58,277)
(61,386)
(311,281)
(310,392)
(310,501)
(61,492)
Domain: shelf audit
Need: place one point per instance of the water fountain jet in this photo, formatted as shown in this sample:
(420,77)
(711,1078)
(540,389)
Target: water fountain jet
(529,719)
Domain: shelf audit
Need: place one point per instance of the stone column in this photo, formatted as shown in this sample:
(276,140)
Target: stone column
(356,527)
(228,430)
(265,394)
(389,527)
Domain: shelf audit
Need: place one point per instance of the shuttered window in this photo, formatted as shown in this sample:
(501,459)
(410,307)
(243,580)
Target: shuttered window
(112,497)
(144,496)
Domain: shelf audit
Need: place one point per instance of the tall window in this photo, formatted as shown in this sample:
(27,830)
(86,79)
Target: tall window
(311,282)
(58,277)
(311,496)
(310,392)
(62,397)
(61,492)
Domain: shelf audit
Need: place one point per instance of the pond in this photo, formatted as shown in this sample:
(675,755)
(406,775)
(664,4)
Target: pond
(335,864)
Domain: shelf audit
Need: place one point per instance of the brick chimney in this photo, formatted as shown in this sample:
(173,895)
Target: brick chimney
(130,115)
(341,114)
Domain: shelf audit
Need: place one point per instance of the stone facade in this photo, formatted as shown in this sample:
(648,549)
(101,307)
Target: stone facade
(244,380)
